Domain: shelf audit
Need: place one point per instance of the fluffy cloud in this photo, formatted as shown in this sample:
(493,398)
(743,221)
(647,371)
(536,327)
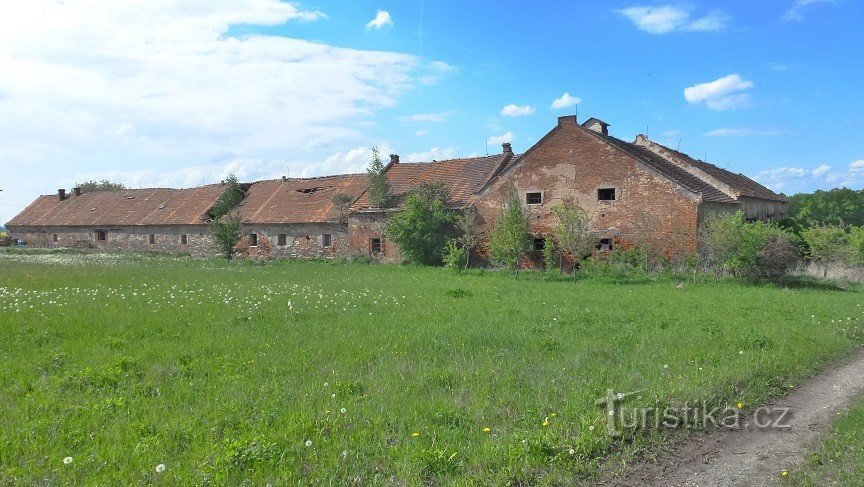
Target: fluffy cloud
(565,101)
(517,111)
(797,179)
(112,86)
(726,132)
(381,19)
(434,154)
(722,94)
(666,18)
(500,139)
(796,11)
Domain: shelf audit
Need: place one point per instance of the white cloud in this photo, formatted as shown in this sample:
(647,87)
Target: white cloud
(434,154)
(427,117)
(517,111)
(162,85)
(381,19)
(565,101)
(500,139)
(721,94)
(727,132)
(792,179)
(796,11)
(666,18)
(421,133)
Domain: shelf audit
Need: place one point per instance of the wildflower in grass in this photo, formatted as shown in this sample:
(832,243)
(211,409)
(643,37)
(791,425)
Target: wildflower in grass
(553,414)
(572,451)
(784,473)
(740,405)
(343,410)
(487,429)
(415,434)
(67,460)
(160,468)
(308,443)
(546,421)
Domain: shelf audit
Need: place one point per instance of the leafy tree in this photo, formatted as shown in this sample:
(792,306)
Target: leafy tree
(379,187)
(751,250)
(454,255)
(423,226)
(231,196)
(469,228)
(343,203)
(225,224)
(573,231)
(104,185)
(508,240)
(837,207)
(826,243)
(226,232)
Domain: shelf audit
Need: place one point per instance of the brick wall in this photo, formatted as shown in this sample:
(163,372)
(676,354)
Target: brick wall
(199,242)
(362,227)
(304,240)
(569,162)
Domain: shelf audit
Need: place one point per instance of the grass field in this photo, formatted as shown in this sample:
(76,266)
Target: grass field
(339,373)
(840,458)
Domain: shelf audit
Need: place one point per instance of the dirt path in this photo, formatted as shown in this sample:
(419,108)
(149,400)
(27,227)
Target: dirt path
(751,456)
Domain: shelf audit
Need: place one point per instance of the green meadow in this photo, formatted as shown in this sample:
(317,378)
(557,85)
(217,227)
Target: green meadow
(339,373)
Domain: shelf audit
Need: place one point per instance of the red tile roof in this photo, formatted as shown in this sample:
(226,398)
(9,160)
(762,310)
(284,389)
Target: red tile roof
(298,200)
(461,177)
(128,207)
(739,184)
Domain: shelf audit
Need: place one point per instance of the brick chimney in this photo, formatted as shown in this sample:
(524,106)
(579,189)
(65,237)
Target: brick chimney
(77,190)
(394,158)
(566,119)
(61,194)
(507,148)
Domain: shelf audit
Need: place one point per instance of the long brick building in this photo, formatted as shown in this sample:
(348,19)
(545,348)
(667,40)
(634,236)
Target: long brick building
(637,192)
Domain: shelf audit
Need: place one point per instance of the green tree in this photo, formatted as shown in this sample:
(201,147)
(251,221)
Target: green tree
(231,196)
(343,204)
(550,254)
(837,207)
(573,231)
(104,185)
(469,229)
(423,225)
(826,244)
(226,232)
(751,250)
(454,255)
(508,240)
(379,187)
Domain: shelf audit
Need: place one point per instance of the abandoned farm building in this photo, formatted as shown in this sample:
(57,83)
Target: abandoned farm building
(636,193)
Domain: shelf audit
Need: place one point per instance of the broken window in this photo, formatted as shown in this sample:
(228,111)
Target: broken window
(375,245)
(604,245)
(539,243)
(101,235)
(253,239)
(327,240)
(606,194)
(183,239)
(282,240)
(151,239)
(56,239)
(533,198)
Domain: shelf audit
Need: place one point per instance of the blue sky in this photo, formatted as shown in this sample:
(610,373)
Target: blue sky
(176,93)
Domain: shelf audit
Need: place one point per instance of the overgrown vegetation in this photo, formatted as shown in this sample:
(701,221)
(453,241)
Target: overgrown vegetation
(378,188)
(838,207)
(839,460)
(573,231)
(104,185)
(343,204)
(468,227)
(332,373)
(226,224)
(508,238)
(424,224)
(752,250)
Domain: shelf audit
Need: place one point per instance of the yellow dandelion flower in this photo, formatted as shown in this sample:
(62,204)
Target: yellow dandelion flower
(784,473)
(487,429)
(415,434)
(553,414)
(546,421)
(740,405)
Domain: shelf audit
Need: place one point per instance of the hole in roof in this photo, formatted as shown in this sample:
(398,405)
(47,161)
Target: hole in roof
(161,207)
(313,190)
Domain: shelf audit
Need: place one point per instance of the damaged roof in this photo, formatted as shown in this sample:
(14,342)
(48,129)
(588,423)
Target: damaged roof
(127,207)
(462,178)
(299,200)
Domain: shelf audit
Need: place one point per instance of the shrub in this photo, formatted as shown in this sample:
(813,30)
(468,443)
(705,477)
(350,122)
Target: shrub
(573,231)
(423,226)
(454,256)
(550,255)
(508,240)
(826,243)
(750,250)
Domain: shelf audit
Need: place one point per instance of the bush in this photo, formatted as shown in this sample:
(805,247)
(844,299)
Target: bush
(454,256)
(423,227)
(508,239)
(826,243)
(750,250)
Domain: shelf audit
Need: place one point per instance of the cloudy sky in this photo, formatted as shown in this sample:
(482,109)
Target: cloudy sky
(183,92)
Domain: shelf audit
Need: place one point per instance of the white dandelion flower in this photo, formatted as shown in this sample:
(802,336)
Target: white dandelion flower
(160,468)
(308,443)
(67,460)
